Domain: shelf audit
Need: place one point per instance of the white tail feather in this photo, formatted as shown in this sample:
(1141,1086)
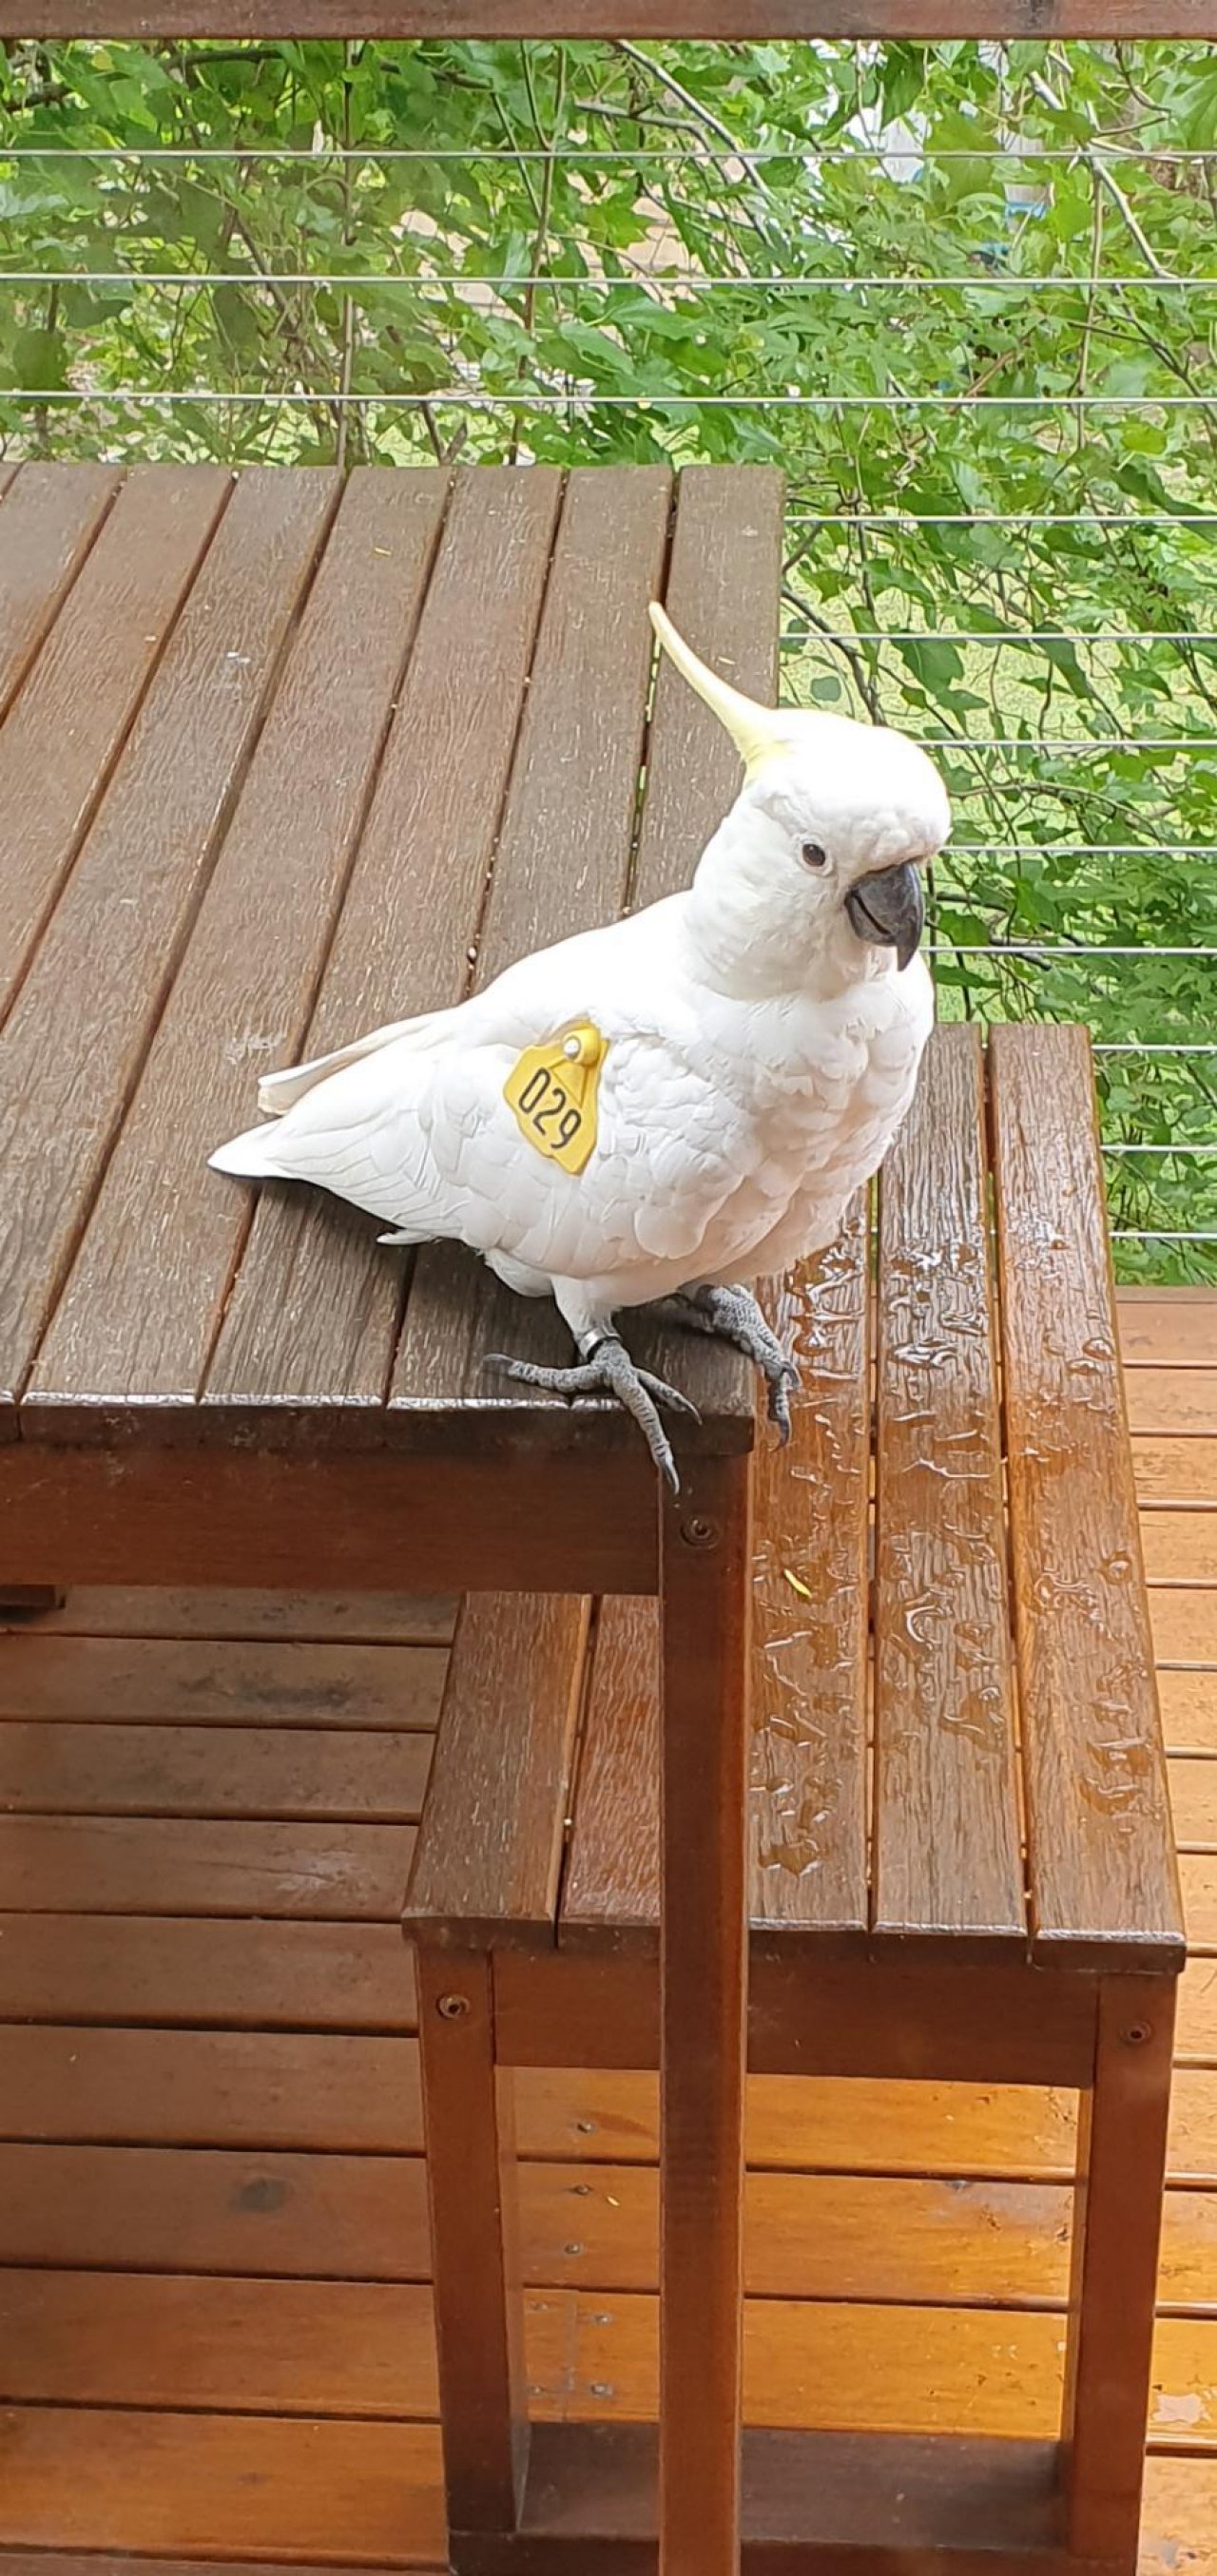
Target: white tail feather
(278,1092)
(251,1157)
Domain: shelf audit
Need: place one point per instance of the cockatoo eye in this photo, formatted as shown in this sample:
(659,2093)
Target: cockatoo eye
(813,856)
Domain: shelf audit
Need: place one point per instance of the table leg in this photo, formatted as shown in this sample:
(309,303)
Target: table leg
(705,1586)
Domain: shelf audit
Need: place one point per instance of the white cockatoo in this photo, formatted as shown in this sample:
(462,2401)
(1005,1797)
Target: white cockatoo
(680,1103)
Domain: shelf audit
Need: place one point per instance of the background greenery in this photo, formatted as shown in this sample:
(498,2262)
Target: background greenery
(575,257)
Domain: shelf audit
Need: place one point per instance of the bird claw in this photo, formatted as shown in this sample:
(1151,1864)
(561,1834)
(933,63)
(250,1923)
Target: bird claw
(609,1370)
(733,1315)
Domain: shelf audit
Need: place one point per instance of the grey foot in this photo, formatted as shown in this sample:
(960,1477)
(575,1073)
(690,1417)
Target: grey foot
(733,1315)
(609,1370)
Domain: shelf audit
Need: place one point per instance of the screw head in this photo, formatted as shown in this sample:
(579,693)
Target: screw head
(1136,2034)
(452,2007)
(699,1532)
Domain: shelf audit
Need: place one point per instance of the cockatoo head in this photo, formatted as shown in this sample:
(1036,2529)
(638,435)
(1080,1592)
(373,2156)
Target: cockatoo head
(824,848)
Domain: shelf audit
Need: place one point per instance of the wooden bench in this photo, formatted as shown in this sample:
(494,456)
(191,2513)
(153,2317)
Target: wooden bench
(960,1850)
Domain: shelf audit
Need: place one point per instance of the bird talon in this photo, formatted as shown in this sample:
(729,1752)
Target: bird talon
(607,1369)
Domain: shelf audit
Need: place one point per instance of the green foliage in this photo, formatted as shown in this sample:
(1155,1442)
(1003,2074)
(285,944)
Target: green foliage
(509,294)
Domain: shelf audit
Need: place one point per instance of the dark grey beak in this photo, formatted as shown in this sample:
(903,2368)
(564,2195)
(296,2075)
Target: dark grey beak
(889,910)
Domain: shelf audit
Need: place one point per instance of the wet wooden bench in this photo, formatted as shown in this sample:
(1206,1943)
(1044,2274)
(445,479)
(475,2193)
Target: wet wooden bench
(961,1862)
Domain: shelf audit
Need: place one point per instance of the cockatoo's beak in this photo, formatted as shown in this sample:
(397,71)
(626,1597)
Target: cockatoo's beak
(755,731)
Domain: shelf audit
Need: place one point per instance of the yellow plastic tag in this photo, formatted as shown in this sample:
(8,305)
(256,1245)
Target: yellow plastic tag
(553,1089)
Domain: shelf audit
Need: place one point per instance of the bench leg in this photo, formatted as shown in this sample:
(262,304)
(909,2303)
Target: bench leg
(705,1586)
(1117,2223)
(479,2315)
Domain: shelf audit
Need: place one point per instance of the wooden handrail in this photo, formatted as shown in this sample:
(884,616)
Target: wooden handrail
(735,21)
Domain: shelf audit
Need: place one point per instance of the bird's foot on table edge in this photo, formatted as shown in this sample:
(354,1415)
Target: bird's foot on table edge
(607,1369)
(733,1315)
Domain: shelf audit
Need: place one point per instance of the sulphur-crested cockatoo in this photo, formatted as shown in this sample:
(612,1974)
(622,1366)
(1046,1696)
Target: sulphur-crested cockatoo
(676,1105)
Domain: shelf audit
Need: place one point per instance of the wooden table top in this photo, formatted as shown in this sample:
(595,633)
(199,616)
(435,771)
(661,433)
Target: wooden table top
(284,757)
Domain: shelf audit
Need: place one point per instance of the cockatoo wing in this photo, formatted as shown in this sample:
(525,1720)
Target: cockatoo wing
(278,1092)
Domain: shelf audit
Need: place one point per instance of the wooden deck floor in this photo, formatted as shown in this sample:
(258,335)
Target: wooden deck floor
(215,2330)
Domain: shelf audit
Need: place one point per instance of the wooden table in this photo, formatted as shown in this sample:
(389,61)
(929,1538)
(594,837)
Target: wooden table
(284,757)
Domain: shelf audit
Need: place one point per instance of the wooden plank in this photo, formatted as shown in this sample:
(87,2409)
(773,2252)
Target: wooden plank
(298,1618)
(89,2478)
(1184,1625)
(1193,1786)
(946,1837)
(52,517)
(127,1865)
(610,1885)
(1101,1858)
(241,1001)
(1196,2034)
(245,1771)
(1180,1547)
(224,1682)
(1168,1330)
(77,1034)
(314,1308)
(240,1975)
(737,21)
(561,866)
(87,683)
(308,2216)
(360,2095)
(1174,1471)
(1198,1876)
(490,1850)
(1172,1402)
(516,1519)
(157,2209)
(807,1808)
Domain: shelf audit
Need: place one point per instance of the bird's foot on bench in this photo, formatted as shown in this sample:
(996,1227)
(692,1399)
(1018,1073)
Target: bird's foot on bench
(607,1369)
(733,1315)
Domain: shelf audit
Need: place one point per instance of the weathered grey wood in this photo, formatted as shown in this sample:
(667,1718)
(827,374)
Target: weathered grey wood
(730,21)
(86,685)
(77,1034)
(51,519)
(241,1000)
(313,1314)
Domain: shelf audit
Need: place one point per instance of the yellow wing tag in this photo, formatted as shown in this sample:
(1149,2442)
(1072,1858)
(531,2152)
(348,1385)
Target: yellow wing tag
(553,1089)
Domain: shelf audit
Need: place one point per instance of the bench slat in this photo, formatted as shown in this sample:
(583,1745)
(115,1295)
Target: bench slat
(313,1313)
(1101,1861)
(490,1846)
(75,1039)
(561,866)
(52,518)
(88,681)
(243,992)
(946,1827)
(810,1608)
(610,1889)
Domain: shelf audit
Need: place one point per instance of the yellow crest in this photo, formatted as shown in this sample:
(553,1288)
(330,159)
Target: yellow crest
(553,1090)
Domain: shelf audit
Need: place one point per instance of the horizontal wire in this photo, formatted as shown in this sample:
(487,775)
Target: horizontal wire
(647,399)
(1051,746)
(1193,1151)
(1162,1234)
(902,521)
(691,280)
(985,635)
(1083,849)
(1027,158)
(1035,950)
(1154,1046)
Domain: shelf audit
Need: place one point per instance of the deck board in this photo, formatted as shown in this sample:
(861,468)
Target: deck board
(215,2334)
